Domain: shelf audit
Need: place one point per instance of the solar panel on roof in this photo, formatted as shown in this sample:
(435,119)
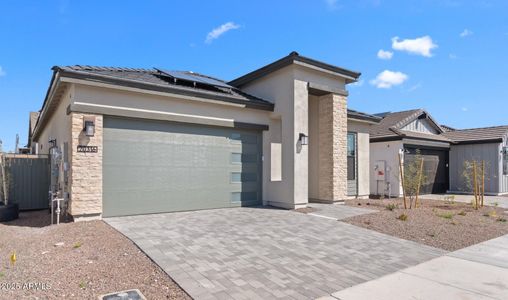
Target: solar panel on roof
(213,82)
(195,78)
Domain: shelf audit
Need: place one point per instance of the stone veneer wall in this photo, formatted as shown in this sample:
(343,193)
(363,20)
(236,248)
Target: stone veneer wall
(86,170)
(332,148)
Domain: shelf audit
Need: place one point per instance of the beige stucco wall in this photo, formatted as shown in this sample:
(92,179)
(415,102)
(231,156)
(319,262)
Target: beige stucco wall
(313,147)
(58,126)
(388,152)
(278,87)
(130,103)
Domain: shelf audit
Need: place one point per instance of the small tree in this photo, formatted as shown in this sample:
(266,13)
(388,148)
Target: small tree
(476,186)
(414,178)
(5,182)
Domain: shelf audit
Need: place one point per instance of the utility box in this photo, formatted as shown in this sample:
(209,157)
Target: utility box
(380,170)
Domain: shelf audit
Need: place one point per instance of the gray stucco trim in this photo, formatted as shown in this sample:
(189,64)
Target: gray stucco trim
(486,141)
(355,115)
(109,111)
(320,90)
(425,144)
(154,87)
(288,60)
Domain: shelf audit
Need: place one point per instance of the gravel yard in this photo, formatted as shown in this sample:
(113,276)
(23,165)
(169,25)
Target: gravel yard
(445,225)
(94,259)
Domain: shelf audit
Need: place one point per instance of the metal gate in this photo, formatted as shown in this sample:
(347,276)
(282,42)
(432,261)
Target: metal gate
(28,180)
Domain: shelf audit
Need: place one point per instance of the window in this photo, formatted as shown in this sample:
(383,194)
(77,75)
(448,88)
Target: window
(505,160)
(351,156)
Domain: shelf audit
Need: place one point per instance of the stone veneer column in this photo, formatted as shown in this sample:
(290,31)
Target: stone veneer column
(332,148)
(85,170)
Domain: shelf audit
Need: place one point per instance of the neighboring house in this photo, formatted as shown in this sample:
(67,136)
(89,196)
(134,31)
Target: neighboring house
(136,141)
(444,149)
(34,115)
(487,144)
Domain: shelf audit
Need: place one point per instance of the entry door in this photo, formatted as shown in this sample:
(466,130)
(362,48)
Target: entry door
(154,167)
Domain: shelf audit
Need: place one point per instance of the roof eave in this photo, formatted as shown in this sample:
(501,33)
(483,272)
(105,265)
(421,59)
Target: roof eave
(482,141)
(351,76)
(155,87)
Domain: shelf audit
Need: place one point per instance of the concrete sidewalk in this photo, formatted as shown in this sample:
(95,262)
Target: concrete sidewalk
(476,272)
(501,201)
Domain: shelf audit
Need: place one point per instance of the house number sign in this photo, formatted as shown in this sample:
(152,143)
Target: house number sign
(88,149)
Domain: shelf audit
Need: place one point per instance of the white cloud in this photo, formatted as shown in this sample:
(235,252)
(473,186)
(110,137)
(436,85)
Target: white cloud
(2,72)
(465,33)
(217,32)
(464,109)
(387,79)
(421,46)
(382,54)
(453,56)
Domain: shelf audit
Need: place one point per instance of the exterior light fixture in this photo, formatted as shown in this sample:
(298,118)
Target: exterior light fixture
(89,128)
(304,140)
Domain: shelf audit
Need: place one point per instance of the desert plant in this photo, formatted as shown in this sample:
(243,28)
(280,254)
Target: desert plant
(474,175)
(82,285)
(501,219)
(462,213)
(402,217)
(449,199)
(5,180)
(496,204)
(391,206)
(447,215)
(77,245)
(414,178)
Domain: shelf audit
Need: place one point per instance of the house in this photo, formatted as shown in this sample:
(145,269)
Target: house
(488,144)
(137,141)
(444,149)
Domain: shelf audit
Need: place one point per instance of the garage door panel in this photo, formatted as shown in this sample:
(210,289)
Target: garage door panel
(174,167)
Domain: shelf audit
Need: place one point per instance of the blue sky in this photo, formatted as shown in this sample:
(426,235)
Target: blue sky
(449,57)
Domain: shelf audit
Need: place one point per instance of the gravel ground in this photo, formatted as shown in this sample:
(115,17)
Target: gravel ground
(449,226)
(93,260)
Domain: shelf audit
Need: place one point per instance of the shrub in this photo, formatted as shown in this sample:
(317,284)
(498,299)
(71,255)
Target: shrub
(402,217)
(391,206)
(449,199)
(462,213)
(501,219)
(447,215)
(82,285)
(77,245)
(491,213)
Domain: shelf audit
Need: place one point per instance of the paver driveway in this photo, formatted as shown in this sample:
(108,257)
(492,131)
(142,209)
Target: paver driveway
(261,253)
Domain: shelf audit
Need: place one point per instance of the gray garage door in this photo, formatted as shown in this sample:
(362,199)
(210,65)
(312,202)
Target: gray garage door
(153,167)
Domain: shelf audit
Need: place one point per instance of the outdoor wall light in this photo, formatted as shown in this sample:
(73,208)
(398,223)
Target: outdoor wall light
(304,140)
(89,128)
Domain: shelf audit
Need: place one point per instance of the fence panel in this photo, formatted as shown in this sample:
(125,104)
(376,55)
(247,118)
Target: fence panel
(29,180)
